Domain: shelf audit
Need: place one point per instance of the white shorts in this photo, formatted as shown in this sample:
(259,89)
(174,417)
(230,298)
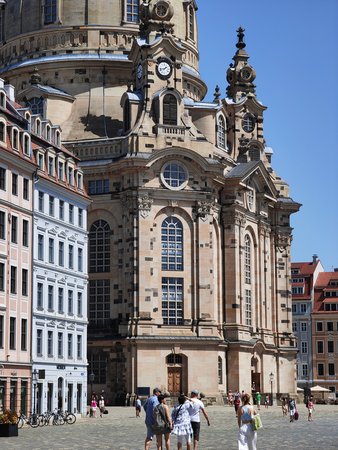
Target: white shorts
(184,438)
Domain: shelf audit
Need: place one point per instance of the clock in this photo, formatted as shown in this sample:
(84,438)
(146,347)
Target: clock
(139,71)
(164,68)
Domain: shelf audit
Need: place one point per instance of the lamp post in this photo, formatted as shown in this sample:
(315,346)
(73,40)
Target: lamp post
(271,383)
(34,382)
(91,380)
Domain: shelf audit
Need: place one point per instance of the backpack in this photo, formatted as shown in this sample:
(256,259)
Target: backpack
(160,425)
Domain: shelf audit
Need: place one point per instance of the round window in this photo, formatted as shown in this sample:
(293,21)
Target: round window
(174,175)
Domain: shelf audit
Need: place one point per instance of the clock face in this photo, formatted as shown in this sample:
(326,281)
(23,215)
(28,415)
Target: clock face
(139,71)
(164,69)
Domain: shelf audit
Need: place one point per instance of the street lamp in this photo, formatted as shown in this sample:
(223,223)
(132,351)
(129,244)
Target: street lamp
(35,382)
(271,383)
(91,380)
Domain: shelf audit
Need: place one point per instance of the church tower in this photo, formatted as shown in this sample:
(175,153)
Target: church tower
(189,228)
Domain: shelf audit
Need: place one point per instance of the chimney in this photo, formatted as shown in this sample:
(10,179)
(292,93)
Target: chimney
(10,90)
(314,259)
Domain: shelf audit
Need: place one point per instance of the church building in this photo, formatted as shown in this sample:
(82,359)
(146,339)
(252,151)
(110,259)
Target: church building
(189,226)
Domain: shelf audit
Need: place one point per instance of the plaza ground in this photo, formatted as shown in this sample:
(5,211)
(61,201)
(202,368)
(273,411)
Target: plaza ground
(120,430)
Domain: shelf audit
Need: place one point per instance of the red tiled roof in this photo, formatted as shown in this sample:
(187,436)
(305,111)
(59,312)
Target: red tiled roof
(305,268)
(324,278)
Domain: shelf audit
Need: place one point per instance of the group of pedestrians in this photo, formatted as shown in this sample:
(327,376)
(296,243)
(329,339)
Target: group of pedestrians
(183,422)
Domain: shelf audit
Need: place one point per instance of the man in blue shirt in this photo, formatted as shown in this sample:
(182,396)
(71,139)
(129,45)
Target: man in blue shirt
(149,408)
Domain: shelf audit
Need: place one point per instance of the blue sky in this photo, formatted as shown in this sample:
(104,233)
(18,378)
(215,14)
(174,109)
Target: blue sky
(293,46)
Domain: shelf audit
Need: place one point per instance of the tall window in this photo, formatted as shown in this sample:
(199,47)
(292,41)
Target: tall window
(1,331)
(71,257)
(80,260)
(221,133)
(24,281)
(132,10)
(25,188)
(14,230)
(51,205)
(79,346)
(40,296)
(169,109)
(99,300)
(80,218)
(39,342)
(61,253)
(40,247)
(97,363)
(41,201)
(191,22)
(50,343)
(2,132)
(71,213)
(2,277)
(13,279)
(79,304)
(70,346)
(2,225)
(51,250)
(25,234)
(24,331)
(247,259)
(99,247)
(172,301)
(60,300)
(220,370)
(61,209)
(12,333)
(50,11)
(60,345)
(248,307)
(14,184)
(70,303)
(172,244)
(50,298)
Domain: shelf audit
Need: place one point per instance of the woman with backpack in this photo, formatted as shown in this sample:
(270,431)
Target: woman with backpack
(181,422)
(162,424)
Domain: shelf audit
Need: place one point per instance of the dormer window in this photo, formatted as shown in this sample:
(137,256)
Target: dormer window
(48,132)
(221,141)
(70,176)
(15,139)
(132,11)
(58,138)
(61,170)
(38,127)
(26,144)
(169,109)
(80,181)
(2,99)
(2,132)
(50,11)
(41,161)
(51,166)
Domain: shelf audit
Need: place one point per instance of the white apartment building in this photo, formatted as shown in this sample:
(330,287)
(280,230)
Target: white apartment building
(59,277)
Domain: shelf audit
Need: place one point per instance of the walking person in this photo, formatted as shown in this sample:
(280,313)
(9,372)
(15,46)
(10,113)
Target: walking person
(284,407)
(267,400)
(237,401)
(310,408)
(247,437)
(101,405)
(149,420)
(258,400)
(292,409)
(181,422)
(162,425)
(195,418)
(93,406)
(138,406)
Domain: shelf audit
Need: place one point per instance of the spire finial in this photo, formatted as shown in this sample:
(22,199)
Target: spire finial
(240,33)
(217,94)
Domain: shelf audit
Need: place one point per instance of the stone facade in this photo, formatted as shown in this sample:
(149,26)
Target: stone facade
(189,244)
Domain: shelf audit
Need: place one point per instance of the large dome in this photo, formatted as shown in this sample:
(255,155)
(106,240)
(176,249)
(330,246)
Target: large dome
(81,48)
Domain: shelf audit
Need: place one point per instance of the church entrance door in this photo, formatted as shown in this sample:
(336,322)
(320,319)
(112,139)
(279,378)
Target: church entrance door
(175,380)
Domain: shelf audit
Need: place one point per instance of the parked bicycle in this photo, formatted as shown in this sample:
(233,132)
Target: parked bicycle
(32,420)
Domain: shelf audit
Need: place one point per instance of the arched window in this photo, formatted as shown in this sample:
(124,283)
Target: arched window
(50,11)
(220,370)
(2,100)
(247,259)
(38,127)
(172,244)
(254,153)
(58,138)
(36,105)
(15,139)
(169,110)
(48,132)
(26,144)
(126,115)
(221,142)
(99,247)
(132,11)
(191,22)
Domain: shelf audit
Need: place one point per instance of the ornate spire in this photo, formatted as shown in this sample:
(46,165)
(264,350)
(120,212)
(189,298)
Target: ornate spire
(240,75)
(217,94)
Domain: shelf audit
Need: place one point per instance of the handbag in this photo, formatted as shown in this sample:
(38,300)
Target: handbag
(257,422)
(296,415)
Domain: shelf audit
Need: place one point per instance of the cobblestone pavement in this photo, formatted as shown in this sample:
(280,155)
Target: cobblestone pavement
(120,430)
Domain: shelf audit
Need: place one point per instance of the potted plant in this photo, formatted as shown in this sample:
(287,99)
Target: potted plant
(8,424)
